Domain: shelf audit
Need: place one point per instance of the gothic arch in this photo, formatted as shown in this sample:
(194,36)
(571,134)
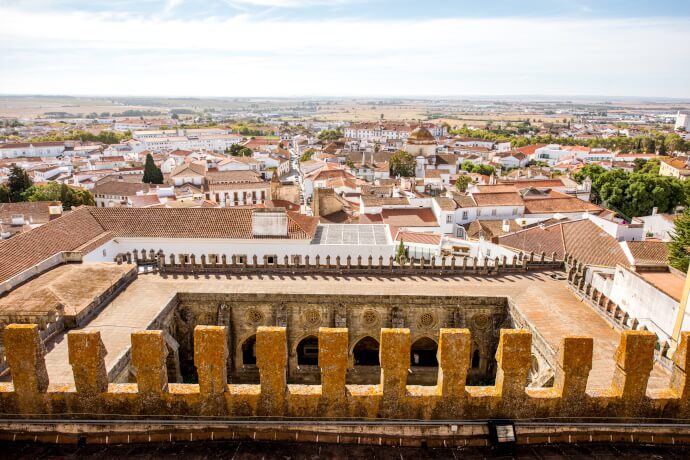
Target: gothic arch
(423,352)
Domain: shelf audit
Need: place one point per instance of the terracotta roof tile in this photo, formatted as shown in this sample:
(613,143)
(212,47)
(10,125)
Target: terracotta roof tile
(498,199)
(648,252)
(581,238)
(66,233)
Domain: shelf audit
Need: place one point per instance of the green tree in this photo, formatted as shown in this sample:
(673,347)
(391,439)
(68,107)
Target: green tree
(238,150)
(54,191)
(467,165)
(485,170)
(152,173)
(402,164)
(462,182)
(330,134)
(18,182)
(306,156)
(638,164)
(4,194)
(678,256)
(401,253)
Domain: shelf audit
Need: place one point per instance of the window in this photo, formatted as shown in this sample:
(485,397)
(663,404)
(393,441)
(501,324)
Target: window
(449,219)
(423,353)
(249,351)
(464,215)
(493,212)
(366,352)
(213,259)
(272,259)
(475,359)
(241,259)
(296,260)
(185,258)
(308,352)
(479,212)
(515,211)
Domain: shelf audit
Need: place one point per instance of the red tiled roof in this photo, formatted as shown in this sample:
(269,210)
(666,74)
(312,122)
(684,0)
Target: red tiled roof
(648,252)
(498,199)
(66,233)
(581,238)
(419,238)
(86,226)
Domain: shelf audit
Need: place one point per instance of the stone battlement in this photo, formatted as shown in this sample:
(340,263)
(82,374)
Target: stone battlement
(241,264)
(31,396)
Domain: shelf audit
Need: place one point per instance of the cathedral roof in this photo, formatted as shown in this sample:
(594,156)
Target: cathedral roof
(420,134)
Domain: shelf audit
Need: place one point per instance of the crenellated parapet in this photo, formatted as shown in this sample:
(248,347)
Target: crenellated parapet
(30,395)
(191,264)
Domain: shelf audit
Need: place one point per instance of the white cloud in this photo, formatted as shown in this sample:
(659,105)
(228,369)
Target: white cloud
(291,3)
(243,55)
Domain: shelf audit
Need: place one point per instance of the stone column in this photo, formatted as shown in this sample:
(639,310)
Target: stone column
(25,355)
(574,365)
(271,359)
(514,362)
(87,358)
(395,360)
(149,353)
(634,361)
(333,361)
(454,349)
(679,377)
(210,359)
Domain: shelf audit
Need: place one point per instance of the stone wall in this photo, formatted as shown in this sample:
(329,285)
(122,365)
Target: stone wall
(296,264)
(324,202)
(30,395)
(363,315)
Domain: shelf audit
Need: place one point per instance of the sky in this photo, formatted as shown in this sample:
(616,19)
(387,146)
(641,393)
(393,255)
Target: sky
(367,48)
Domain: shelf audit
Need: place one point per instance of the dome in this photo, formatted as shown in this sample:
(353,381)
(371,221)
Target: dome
(421,135)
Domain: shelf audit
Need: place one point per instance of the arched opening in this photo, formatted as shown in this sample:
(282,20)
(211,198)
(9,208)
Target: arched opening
(423,353)
(308,351)
(475,359)
(366,352)
(249,351)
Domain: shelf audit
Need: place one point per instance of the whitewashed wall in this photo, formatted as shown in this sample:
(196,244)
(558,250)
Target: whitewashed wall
(641,300)
(229,247)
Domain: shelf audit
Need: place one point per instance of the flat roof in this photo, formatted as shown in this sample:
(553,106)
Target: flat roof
(352,234)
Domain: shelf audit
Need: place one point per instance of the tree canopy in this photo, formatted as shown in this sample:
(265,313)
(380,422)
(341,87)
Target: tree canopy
(678,256)
(238,150)
(55,191)
(462,182)
(402,164)
(653,142)
(637,193)
(106,137)
(306,156)
(485,170)
(330,134)
(17,183)
(152,173)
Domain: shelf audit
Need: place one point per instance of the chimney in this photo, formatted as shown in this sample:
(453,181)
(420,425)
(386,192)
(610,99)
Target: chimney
(17,219)
(54,212)
(269,222)
(506,226)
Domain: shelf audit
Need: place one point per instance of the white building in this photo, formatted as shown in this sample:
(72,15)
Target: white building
(683,122)
(31,150)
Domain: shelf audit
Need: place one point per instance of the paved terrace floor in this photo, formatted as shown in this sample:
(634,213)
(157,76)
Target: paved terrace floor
(547,304)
